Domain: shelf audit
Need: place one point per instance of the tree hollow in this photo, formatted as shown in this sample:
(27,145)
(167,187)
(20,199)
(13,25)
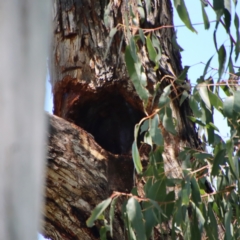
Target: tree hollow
(108,114)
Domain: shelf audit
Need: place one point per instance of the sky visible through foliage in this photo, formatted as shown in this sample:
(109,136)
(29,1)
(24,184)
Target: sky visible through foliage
(198,48)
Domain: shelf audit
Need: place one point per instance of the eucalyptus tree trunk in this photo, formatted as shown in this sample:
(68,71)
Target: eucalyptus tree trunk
(90,151)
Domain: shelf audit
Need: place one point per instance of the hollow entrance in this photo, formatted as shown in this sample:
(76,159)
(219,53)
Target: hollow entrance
(108,117)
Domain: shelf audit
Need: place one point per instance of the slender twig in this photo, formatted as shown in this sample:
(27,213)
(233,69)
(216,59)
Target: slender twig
(141,199)
(146,30)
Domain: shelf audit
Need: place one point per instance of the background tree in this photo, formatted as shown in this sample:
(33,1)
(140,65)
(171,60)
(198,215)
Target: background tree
(96,47)
(24,47)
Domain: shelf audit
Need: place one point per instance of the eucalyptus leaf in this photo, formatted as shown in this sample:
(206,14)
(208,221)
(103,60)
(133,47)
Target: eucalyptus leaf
(164,99)
(141,34)
(168,122)
(236,101)
(226,89)
(195,120)
(227,14)
(228,106)
(207,66)
(230,150)
(195,107)
(157,46)
(236,164)
(141,13)
(228,223)
(186,189)
(135,217)
(222,56)
(148,6)
(196,196)
(211,125)
(111,215)
(205,17)
(227,19)
(157,191)
(153,55)
(184,96)
(103,232)
(183,74)
(134,71)
(133,49)
(215,36)
(219,159)
(185,197)
(155,131)
(149,217)
(97,211)
(237,46)
(144,127)
(136,130)
(215,100)
(136,158)
(169,208)
(183,14)
(212,226)
(180,212)
(218,4)
(202,155)
(199,215)
(148,138)
(130,230)
(151,50)
(203,91)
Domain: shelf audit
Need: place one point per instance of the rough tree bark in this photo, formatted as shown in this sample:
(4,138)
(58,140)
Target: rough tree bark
(90,152)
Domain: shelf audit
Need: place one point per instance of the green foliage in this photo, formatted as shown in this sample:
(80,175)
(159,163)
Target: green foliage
(136,72)
(135,218)
(99,209)
(205,17)
(186,201)
(183,13)
(136,158)
(222,60)
(154,55)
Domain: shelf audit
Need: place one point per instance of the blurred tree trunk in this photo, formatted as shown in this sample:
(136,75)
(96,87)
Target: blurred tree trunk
(24,45)
(90,153)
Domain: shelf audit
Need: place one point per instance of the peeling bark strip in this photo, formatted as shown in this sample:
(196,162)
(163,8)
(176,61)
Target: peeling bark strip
(92,89)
